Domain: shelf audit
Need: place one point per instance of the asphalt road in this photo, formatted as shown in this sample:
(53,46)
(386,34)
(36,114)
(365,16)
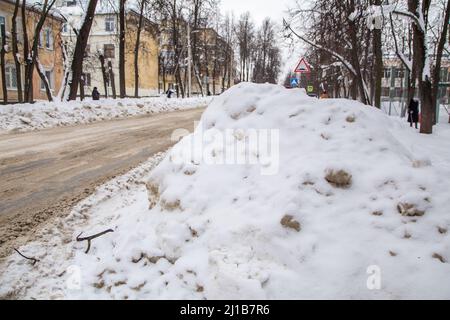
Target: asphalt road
(45,173)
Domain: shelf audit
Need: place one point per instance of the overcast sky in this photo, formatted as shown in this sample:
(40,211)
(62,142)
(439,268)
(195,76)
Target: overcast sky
(259,9)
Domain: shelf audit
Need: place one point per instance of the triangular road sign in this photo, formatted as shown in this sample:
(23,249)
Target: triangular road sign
(303,67)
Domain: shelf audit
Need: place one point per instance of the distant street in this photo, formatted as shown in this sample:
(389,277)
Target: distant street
(46,172)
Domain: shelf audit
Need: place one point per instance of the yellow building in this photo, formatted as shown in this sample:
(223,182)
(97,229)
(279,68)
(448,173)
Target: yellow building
(50,52)
(104,40)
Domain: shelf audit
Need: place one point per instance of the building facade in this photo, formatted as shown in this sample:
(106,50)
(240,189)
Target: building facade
(394,84)
(104,41)
(49,52)
(213,68)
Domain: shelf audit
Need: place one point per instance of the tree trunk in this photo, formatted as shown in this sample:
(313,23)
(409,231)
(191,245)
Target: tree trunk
(199,80)
(175,27)
(28,88)
(122,87)
(437,69)
(378,65)
(15,50)
(44,80)
(80,48)
(420,57)
(2,64)
(112,80)
(356,64)
(104,74)
(33,55)
(136,50)
(82,82)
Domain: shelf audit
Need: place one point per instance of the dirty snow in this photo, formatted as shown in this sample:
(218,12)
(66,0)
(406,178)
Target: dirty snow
(229,232)
(41,115)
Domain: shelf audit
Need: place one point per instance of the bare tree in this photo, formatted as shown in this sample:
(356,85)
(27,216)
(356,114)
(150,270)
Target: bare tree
(31,55)
(15,51)
(80,48)
(104,73)
(26,53)
(2,63)
(112,81)
(227,34)
(266,54)
(419,17)
(378,63)
(336,28)
(122,85)
(44,80)
(136,47)
(245,38)
(438,61)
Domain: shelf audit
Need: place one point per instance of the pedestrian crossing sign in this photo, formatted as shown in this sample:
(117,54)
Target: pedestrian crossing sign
(294,82)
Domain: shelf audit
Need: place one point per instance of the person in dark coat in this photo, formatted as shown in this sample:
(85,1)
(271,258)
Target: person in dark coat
(413,112)
(170,92)
(95,94)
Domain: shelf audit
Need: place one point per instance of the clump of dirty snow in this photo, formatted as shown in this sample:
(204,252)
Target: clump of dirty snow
(41,115)
(333,218)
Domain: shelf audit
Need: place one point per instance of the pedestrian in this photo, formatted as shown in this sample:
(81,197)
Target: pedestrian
(324,95)
(169,93)
(95,94)
(413,113)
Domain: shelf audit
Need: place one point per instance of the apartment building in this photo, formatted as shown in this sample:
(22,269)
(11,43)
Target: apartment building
(104,41)
(49,52)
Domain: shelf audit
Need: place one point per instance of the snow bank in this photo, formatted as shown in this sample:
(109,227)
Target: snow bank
(358,208)
(41,115)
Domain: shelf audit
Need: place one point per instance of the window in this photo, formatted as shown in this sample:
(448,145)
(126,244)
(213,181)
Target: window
(109,51)
(110,23)
(399,73)
(444,77)
(2,23)
(49,76)
(41,39)
(387,73)
(49,38)
(11,77)
(71,3)
(87,79)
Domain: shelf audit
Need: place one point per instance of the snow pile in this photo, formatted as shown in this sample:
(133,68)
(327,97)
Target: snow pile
(41,115)
(351,208)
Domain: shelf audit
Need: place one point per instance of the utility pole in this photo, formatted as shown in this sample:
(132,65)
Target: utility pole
(189,60)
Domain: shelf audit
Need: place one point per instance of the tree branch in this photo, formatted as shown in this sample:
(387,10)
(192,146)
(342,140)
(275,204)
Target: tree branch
(334,54)
(407,64)
(90,238)
(34,260)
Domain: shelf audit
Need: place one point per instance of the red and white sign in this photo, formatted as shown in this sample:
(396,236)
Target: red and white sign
(303,67)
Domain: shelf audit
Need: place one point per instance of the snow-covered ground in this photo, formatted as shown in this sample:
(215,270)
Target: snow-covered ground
(41,115)
(348,203)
